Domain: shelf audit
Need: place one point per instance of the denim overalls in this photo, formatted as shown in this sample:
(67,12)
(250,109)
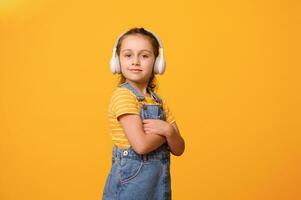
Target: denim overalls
(140,177)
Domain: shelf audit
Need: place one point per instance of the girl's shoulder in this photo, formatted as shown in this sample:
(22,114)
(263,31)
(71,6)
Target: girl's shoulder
(122,92)
(120,89)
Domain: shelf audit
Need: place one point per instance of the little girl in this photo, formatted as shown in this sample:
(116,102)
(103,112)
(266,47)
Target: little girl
(143,129)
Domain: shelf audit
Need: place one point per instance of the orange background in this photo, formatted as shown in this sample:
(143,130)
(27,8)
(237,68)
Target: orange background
(231,82)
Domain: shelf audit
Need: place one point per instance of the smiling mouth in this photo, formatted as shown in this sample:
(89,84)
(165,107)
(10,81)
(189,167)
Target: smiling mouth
(135,70)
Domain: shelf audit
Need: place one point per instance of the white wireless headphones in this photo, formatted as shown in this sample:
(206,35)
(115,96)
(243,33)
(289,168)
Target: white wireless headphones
(159,66)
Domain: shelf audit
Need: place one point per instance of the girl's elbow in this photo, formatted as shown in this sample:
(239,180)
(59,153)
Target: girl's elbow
(177,153)
(140,149)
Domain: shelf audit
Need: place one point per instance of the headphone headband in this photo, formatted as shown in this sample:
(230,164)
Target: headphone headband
(154,34)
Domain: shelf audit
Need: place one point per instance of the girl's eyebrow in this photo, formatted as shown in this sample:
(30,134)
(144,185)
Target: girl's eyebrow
(140,50)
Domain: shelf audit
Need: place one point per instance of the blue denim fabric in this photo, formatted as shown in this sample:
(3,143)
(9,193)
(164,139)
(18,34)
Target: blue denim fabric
(140,177)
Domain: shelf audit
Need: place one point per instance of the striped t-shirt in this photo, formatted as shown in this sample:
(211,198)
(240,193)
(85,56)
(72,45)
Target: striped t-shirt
(124,101)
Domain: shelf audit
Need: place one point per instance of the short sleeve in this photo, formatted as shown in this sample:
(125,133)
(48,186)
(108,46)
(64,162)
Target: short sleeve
(169,115)
(123,102)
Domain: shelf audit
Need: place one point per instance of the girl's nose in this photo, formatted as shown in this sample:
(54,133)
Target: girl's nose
(136,60)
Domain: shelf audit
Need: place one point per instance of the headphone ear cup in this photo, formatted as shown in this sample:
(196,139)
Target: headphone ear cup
(159,67)
(114,64)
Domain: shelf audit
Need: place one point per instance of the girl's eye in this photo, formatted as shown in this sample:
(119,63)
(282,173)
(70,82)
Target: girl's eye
(145,56)
(127,55)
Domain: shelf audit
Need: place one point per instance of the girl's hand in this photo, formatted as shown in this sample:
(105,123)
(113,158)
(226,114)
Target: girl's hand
(157,126)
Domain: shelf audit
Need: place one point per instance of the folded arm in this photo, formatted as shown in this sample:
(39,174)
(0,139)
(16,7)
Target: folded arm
(142,143)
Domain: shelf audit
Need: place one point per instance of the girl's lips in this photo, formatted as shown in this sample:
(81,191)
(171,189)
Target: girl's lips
(135,70)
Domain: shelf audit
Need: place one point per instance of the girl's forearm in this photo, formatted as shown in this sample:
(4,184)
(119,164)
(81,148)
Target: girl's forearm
(152,142)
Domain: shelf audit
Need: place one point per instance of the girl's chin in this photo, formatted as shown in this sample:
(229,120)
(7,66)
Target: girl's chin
(136,80)
(135,76)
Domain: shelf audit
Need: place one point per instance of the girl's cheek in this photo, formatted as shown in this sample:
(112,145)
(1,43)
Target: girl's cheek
(124,62)
(148,62)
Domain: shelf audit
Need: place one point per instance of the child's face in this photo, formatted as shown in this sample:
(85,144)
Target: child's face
(136,58)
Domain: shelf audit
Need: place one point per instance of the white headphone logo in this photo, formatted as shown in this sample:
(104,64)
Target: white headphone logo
(159,66)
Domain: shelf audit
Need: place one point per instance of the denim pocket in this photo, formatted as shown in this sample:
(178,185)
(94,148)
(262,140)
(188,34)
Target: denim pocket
(129,169)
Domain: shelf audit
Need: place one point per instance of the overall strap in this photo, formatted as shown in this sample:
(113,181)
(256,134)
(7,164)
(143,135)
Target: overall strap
(138,96)
(130,87)
(155,96)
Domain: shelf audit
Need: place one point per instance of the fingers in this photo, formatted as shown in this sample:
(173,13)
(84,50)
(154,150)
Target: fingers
(145,121)
(147,130)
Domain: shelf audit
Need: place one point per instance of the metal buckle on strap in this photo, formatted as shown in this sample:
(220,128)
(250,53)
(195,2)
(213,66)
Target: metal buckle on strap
(144,106)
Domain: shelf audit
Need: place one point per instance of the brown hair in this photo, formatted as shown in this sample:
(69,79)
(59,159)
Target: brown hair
(155,44)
